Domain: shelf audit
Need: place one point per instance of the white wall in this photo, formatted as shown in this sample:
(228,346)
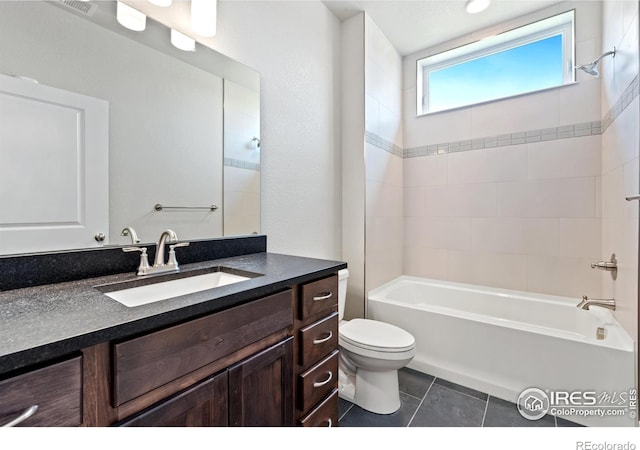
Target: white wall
(383,123)
(353,162)
(521,212)
(296,48)
(620,162)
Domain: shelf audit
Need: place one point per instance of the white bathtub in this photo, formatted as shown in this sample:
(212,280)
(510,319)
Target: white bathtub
(501,341)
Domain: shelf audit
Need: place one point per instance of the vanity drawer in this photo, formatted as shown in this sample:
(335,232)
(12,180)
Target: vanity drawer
(318,340)
(55,389)
(150,361)
(317,382)
(318,297)
(323,415)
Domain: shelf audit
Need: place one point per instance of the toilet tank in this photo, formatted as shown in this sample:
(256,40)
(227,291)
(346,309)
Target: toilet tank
(343,275)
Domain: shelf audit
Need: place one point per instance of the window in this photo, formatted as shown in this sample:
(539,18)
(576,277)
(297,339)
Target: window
(526,59)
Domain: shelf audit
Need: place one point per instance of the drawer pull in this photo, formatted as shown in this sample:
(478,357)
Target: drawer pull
(30,411)
(322,383)
(323,340)
(323,297)
(330,422)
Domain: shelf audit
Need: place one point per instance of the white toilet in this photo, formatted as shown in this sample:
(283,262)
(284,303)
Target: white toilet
(371,352)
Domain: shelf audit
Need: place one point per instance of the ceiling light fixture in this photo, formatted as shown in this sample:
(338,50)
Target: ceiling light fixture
(204,16)
(130,18)
(163,3)
(182,41)
(476,6)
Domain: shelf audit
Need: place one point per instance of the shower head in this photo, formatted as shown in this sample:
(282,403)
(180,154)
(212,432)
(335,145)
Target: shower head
(591,67)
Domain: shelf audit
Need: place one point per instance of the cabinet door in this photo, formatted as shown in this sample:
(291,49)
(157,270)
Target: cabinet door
(204,405)
(261,388)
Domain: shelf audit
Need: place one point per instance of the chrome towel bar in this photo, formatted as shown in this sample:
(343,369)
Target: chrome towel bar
(160,207)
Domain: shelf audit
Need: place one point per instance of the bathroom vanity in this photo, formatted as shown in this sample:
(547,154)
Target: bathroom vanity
(261,352)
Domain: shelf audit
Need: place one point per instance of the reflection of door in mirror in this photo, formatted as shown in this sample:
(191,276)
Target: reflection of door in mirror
(54,170)
(241,160)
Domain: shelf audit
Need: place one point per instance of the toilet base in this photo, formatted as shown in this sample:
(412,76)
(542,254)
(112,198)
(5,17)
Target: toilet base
(374,391)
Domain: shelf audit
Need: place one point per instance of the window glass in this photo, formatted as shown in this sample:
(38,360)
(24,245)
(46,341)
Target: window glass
(528,59)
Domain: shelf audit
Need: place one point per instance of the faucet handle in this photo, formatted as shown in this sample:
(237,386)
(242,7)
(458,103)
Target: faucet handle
(172,253)
(144,259)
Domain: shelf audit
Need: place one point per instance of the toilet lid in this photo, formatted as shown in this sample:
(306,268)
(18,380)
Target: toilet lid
(378,336)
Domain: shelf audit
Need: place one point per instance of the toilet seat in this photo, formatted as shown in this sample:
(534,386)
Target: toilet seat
(375,336)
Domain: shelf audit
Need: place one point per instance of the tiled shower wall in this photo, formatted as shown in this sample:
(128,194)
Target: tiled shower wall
(383,158)
(620,161)
(509,192)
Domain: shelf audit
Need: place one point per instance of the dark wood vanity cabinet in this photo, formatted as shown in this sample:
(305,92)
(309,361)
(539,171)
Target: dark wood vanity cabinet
(270,362)
(316,358)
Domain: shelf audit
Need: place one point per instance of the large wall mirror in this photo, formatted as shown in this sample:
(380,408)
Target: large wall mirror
(182,130)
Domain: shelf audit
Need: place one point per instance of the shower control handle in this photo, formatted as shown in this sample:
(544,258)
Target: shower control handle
(604,265)
(610,266)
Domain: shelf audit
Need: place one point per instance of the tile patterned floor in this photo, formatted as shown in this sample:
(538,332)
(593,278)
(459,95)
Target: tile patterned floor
(427,401)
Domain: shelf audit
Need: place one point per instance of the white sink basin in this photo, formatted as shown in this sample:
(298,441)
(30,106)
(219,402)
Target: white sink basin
(142,295)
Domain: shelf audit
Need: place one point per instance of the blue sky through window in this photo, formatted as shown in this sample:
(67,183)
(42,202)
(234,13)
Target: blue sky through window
(527,68)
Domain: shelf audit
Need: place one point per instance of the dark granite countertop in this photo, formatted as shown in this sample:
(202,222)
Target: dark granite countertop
(45,322)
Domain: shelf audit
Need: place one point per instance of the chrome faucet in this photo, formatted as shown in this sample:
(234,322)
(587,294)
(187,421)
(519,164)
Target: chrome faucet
(159,265)
(166,234)
(586,303)
(129,231)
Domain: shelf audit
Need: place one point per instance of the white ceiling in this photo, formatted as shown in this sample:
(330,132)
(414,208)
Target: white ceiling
(413,25)
(410,25)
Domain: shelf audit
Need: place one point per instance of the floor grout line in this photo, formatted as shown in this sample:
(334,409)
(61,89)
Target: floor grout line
(460,392)
(345,413)
(484,416)
(421,402)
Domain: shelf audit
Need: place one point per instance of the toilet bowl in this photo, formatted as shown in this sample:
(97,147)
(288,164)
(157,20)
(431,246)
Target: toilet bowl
(371,352)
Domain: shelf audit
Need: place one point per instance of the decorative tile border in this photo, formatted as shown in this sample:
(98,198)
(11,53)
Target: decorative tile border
(629,94)
(240,164)
(522,137)
(383,144)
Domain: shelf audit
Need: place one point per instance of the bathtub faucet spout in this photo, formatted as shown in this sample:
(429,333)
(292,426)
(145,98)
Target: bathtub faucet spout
(586,303)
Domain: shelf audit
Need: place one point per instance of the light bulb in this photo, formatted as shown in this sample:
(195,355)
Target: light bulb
(204,16)
(130,18)
(476,6)
(183,42)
